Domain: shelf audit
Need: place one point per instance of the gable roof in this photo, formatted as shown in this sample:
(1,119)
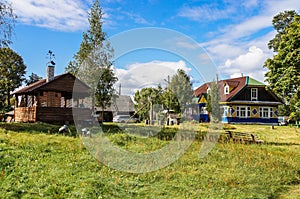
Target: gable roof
(253,82)
(237,85)
(67,79)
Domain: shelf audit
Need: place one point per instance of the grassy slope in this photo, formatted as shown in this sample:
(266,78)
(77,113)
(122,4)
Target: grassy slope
(36,163)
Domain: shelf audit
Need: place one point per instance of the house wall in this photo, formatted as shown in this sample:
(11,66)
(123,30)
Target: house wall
(50,99)
(58,115)
(263,95)
(25,114)
(252,114)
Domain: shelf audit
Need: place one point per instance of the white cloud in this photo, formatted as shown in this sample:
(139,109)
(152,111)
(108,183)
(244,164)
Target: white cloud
(139,75)
(138,19)
(205,12)
(250,63)
(242,45)
(250,3)
(67,15)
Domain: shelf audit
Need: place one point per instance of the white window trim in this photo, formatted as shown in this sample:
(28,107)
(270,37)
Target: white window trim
(226,89)
(270,112)
(256,94)
(247,110)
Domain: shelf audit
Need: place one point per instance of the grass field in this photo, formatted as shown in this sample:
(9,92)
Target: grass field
(36,162)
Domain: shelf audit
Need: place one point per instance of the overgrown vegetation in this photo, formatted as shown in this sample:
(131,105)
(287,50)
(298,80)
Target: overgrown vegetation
(37,162)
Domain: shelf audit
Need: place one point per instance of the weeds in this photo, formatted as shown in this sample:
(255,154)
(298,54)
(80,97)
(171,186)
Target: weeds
(38,164)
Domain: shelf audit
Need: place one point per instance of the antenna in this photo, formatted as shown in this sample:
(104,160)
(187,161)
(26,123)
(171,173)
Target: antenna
(51,57)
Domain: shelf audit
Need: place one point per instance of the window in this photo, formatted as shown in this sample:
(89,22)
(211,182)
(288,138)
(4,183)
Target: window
(254,94)
(225,111)
(266,112)
(243,111)
(226,89)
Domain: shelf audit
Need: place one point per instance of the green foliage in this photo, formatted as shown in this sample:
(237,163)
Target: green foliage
(7,22)
(284,68)
(181,87)
(175,97)
(92,40)
(12,72)
(213,102)
(93,62)
(280,23)
(41,165)
(144,98)
(32,79)
(105,88)
(170,101)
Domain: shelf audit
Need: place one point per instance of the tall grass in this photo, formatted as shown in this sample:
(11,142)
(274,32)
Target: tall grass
(38,164)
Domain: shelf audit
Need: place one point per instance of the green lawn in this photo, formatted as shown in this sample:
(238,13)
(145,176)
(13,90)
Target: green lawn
(35,162)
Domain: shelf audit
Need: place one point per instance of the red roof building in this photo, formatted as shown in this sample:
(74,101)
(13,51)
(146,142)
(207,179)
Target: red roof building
(242,100)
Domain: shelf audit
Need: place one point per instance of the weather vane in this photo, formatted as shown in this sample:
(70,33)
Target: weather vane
(51,57)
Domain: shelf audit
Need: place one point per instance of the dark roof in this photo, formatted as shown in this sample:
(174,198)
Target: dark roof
(67,79)
(236,84)
(122,103)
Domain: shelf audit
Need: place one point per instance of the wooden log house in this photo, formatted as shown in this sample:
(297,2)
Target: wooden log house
(51,100)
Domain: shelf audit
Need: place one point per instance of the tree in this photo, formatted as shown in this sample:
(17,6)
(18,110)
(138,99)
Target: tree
(93,38)
(213,102)
(170,101)
(12,72)
(145,99)
(32,79)
(7,21)
(181,87)
(93,62)
(283,73)
(280,23)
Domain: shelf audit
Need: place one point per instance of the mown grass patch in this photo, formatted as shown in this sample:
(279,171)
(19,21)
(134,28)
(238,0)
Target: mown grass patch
(35,164)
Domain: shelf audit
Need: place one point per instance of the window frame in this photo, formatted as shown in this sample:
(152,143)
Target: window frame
(266,112)
(226,89)
(243,111)
(254,90)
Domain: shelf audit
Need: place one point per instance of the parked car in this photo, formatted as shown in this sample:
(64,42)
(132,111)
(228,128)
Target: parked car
(124,119)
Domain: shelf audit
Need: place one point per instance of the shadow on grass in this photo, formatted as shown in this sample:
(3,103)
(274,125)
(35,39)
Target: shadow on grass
(282,143)
(162,133)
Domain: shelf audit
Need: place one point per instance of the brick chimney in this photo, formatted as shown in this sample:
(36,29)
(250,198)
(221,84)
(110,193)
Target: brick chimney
(50,72)
(50,67)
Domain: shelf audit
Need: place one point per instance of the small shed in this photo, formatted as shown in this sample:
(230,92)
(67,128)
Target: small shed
(51,100)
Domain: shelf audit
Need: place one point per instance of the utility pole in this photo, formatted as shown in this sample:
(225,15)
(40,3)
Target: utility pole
(151,111)
(169,100)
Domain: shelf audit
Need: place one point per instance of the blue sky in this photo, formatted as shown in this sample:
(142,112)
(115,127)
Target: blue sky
(234,34)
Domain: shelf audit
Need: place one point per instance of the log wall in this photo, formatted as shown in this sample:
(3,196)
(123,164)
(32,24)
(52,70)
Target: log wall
(61,115)
(25,114)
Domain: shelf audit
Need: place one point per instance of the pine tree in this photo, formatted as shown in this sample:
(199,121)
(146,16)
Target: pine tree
(182,90)
(93,62)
